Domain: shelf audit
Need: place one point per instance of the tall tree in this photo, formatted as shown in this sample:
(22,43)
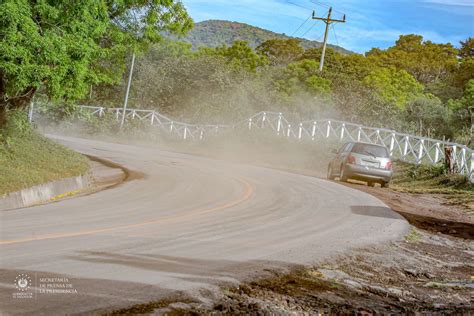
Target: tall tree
(396,86)
(467,48)
(281,51)
(426,61)
(464,108)
(62,47)
(240,55)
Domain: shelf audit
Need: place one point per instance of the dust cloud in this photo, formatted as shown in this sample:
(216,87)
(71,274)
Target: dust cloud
(260,147)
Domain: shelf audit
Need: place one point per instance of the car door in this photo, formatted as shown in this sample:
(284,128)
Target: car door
(341,156)
(345,151)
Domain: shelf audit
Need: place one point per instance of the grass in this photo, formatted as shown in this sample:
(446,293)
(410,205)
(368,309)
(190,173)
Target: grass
(28,159)
(413,236)
(433,179)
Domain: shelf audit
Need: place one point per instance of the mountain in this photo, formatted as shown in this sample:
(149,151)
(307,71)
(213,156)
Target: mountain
(213,33)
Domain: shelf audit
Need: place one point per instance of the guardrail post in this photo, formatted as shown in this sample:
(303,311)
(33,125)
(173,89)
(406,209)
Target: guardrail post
(392,143)
(359,132)
(30,112)
(101,111)
(250,123)
(217,129)
(201,135)
(437,150)
(471,169)
(328,130)
(300,131)
(185,132)
(288,132)
(264,117)
(171,127)
(152,117)
(455,156)
(133,114)
(463,160)
(313,132)
(117,113)
(420,150)
(279,124)
(342,130)
(405,148)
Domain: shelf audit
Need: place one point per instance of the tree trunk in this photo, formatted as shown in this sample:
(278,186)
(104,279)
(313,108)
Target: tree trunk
(14,103)
(3,116)
(471,111)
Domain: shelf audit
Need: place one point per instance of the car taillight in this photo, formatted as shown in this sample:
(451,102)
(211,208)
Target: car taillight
(351,159)
(388,165)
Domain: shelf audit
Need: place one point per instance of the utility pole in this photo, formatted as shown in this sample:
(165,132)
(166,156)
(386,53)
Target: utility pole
(128,91)
(328,21)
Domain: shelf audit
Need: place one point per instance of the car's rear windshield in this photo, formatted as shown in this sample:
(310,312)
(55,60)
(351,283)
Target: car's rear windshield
(371,150)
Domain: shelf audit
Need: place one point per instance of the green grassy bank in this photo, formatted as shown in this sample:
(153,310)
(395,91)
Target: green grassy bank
(433,179)
(28,159)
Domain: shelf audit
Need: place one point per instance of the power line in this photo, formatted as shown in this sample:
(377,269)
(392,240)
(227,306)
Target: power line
(299,27)
(323,4)
(298,5)
(328,21)
(335,35)
(309,29)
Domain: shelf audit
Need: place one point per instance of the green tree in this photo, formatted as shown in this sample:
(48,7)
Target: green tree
(426,61)
(465,71)
(467,48)
(239,55)
(429,115)
(63,47)
(281,51)
(464,110)
(392,85)
(331,59)
(303,76)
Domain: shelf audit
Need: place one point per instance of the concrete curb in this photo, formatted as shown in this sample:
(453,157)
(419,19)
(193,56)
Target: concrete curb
(101,175)
(44,192)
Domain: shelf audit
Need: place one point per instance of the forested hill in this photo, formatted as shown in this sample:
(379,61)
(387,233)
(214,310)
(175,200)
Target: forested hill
(213,33)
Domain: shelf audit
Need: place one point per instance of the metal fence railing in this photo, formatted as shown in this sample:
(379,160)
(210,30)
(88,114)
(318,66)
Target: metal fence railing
(406,147)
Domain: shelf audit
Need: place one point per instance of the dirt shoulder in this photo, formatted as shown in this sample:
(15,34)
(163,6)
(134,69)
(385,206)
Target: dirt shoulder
(427,273)
(428,211)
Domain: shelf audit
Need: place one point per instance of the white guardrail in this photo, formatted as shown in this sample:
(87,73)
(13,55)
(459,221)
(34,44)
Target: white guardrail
(409,148)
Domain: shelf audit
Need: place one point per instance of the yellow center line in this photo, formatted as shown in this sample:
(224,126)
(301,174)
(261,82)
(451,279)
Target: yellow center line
(247,194)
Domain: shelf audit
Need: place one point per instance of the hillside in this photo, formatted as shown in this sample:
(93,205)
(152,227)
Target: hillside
(214,33)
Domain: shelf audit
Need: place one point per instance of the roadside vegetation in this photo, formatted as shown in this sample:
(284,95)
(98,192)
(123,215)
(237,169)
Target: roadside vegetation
(415,86)
(59,50)
(456,188)
(28,159)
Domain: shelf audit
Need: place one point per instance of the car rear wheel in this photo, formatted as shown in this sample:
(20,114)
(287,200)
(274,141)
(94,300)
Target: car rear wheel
(330,175)
(342,174)
(385,184)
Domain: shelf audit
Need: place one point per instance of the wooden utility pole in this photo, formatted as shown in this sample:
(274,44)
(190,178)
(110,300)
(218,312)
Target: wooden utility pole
(328,21)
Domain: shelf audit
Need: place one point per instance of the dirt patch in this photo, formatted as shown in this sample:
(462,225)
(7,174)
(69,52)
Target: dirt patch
(427,274)
(432,212)
(128,174)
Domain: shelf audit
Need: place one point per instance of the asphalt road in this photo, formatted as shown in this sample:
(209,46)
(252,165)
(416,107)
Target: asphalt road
(190,224)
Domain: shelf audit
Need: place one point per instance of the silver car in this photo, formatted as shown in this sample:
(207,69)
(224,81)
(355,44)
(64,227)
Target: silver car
(361,161)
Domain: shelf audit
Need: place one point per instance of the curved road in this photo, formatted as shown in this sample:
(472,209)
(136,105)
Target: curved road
(190,224)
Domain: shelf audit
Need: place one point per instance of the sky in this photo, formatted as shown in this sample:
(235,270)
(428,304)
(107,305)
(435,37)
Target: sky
(370,23)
